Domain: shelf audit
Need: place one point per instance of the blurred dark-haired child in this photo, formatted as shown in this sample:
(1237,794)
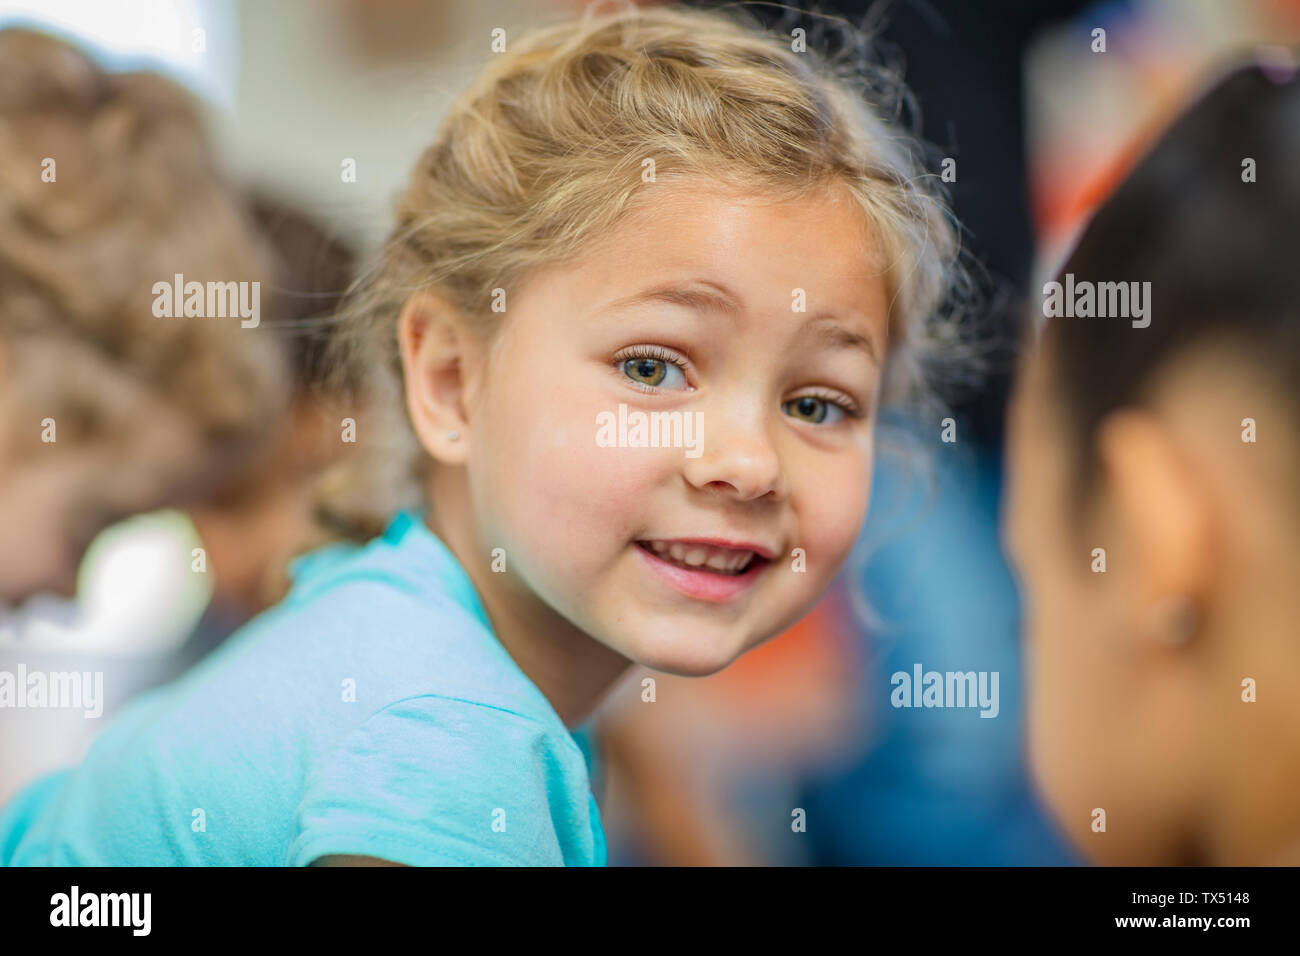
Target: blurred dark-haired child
(1152,510)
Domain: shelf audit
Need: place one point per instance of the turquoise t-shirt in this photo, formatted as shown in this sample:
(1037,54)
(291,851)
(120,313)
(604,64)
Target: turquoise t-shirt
(371,712)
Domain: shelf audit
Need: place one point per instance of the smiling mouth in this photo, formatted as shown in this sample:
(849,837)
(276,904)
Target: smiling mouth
(692,556)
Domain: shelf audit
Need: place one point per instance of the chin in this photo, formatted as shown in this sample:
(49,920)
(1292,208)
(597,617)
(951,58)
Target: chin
(687,654)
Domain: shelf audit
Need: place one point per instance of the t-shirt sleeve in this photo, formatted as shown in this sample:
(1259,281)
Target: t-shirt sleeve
(435,781)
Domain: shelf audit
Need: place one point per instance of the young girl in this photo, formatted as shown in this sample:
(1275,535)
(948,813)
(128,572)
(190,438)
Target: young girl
(1154,465)
(646,293)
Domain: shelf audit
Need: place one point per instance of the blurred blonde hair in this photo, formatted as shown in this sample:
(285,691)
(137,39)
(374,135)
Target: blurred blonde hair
(135,198)
(543,153)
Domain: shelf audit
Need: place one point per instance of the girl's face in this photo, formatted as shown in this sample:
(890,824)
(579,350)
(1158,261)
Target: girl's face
(745,339)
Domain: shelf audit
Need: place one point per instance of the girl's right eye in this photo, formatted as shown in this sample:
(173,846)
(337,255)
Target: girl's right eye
(652,369)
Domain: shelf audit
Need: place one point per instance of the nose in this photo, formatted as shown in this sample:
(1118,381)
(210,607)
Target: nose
(737,458)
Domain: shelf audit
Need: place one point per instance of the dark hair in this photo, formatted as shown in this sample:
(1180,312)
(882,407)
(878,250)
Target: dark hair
(314,269)
(1222,254)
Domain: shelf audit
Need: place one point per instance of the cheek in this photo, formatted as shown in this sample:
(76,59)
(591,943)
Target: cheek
(1064,618)
(831,500)
(570,505)
(1075,696)
(1059,654)
(1053,663)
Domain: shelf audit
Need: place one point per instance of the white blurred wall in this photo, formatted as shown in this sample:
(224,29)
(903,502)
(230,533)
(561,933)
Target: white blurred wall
(311,92)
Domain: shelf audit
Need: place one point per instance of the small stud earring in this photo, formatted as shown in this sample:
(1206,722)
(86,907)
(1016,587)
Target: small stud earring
(453,436)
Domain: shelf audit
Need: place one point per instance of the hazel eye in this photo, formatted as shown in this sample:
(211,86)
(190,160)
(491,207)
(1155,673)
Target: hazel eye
(814,410)
(647,371)
(652,372)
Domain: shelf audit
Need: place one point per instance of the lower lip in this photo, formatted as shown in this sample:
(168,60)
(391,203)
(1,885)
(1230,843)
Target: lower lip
(703,585)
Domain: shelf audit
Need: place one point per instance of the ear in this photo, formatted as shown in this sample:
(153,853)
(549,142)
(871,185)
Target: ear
(1167,516)
(440,360)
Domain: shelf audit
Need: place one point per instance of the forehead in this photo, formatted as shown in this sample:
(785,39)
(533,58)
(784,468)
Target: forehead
(716,218)
(769,250)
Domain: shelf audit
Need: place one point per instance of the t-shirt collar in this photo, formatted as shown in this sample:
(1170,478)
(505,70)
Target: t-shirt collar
(408,527)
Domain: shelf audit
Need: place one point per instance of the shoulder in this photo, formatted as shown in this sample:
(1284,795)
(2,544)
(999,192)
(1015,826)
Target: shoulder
(480,746)
(362,634)
(434,780)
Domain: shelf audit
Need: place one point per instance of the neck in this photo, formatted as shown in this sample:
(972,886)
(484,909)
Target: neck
(573,670)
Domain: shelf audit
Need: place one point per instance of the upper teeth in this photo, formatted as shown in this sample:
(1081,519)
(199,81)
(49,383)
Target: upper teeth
(703,555)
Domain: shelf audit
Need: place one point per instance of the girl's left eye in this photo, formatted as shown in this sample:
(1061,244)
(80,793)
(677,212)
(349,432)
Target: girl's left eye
(815,410)
(654,370)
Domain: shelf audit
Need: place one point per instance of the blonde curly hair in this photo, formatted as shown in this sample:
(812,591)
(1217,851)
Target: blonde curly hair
(107,186)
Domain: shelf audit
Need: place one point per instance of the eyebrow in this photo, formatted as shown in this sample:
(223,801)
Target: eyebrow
(702,295)
(841,338)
